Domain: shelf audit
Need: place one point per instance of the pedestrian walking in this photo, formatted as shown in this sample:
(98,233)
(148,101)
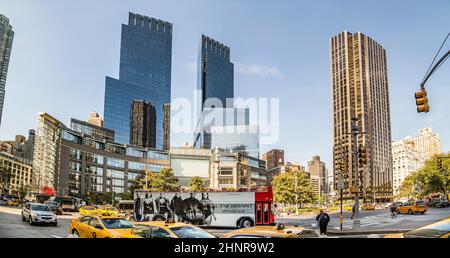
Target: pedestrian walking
(353,211)
(323,219)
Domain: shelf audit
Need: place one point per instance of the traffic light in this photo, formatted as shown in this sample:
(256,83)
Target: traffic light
(422,101)
(439,164)
(362,155)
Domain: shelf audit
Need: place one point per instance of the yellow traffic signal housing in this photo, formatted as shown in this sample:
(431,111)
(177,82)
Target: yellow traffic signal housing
(422,101)
(439,164)
(362,155)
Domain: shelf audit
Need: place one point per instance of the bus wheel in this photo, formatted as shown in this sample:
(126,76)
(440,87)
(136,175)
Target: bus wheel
(246,223)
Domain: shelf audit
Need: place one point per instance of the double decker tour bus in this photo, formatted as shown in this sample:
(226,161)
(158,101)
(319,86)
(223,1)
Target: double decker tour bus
(209,209)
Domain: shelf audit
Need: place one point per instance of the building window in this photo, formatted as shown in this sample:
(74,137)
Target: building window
(75,154)
(94,158)
(116,163)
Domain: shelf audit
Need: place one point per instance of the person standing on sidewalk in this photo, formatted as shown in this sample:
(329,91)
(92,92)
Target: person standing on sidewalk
(323,220)
(353,211)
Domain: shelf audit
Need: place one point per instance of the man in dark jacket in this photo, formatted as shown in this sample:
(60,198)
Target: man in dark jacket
(323,220)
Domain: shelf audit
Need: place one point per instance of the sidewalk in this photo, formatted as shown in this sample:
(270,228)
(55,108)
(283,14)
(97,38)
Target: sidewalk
(349,232)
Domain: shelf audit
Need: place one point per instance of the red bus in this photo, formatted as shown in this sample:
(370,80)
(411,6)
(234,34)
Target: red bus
(209,209)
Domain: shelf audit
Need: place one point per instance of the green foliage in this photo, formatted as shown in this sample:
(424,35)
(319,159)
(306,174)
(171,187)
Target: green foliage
(293,187)
(5,177)
(196,184)
(428,179)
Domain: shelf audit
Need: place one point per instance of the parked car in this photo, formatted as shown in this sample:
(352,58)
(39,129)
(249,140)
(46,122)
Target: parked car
(13,202)
(36,213)
(89,211)
(441,204)
(55,207)
(412,207)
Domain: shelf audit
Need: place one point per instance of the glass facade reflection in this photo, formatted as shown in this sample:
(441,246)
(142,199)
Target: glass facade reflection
(215,78)
(6,41)
(145,73)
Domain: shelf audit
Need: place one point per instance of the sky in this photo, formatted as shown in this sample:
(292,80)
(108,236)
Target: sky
(63,50)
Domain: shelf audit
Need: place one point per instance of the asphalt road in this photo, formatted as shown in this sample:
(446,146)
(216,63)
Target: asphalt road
(373,220)
(11,225)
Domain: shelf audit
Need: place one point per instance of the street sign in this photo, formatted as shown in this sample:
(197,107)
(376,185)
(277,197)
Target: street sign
(340,185)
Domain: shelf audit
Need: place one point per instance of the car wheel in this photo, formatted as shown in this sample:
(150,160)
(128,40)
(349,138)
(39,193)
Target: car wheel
(55,224)
(410,212)
(75,233)
(246,223)
(23,218)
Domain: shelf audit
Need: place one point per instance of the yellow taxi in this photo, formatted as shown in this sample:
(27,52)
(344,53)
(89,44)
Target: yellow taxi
(440,229)
(368,206)
(101,227)
(347,207)
(168,229)
(13,202)
(412,207)
(279,231)
(88,211)
(108,211)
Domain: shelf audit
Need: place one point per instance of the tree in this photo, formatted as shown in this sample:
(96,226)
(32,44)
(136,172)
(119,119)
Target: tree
(5,177)
(47,190)
(293,187)
(23,191)
(196,184)
(164,181)
(427,180)
(407,188)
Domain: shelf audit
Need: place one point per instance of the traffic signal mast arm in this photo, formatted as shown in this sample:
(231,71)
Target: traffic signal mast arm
(421,96)
(434,69)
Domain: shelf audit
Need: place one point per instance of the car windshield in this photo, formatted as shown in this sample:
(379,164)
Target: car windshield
(113,223)
(191,232)
(37,207)
(110,209)
(89,208)
(432,231)
(420,203)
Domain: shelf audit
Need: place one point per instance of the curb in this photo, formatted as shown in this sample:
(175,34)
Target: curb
(367,232)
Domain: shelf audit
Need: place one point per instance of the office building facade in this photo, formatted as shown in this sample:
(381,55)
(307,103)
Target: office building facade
(74,163)
(215,78)
(143,124)
(6,42)
(318,175)
(427,143)
(92,129)
(166,125)
(274,158)
(360,89)
(145,73)
(406,159)
(21,173)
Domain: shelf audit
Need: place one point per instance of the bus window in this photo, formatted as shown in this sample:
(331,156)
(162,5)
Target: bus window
(266,214)
(258,214)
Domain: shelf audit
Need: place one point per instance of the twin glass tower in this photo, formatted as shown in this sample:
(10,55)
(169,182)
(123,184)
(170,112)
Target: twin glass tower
(145,74)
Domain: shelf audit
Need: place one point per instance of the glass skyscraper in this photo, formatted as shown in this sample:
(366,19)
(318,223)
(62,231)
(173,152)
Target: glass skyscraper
(145,73)
(6,41)
(215,78)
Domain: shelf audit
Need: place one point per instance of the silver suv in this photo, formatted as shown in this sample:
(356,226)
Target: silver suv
(36,213)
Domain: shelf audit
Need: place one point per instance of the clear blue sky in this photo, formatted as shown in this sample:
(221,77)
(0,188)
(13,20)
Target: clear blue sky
(64,49)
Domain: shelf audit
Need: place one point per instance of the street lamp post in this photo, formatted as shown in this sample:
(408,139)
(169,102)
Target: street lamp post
(355,132)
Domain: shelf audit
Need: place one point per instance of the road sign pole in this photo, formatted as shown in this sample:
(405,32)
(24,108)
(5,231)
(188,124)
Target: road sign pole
(341,211)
